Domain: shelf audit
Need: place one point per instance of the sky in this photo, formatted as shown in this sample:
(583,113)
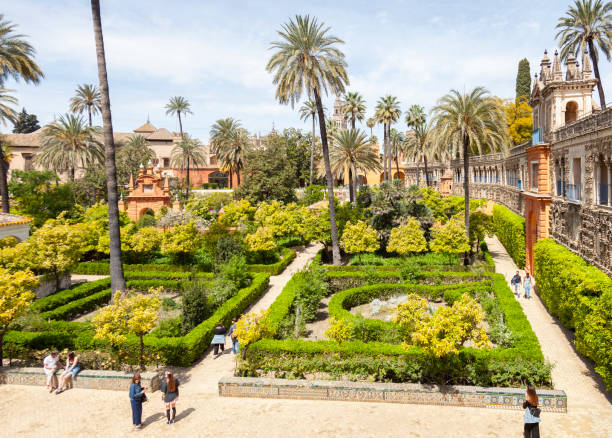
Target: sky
(214,53)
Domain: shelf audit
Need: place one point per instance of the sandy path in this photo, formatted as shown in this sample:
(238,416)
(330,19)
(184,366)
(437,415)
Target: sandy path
(32,412)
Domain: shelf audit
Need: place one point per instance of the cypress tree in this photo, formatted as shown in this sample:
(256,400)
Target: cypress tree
(523,79)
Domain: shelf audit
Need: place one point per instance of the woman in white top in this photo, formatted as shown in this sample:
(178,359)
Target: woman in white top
(50,364)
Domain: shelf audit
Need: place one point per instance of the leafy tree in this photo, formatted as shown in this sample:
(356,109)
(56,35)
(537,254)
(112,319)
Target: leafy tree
(313,194)
(319,67)
(87,98)
(407,238)
(419,145)
(135,314)
(449,328)
(519,120)
(387,112)
(261,240)
(353,107)
(195,304)
(25,123)
(523,80)
(39,196)
(442,207)
(481,225)
(340,330)
(229,141)
(15,298)
(587,25)
(179,105)
(237,212)
(146,241)
(359,238)
(6,114)
(181,241)
(68,144)
(250,328)
(469,122)
(449,238)
(116,262)
(208,206)
(189,151)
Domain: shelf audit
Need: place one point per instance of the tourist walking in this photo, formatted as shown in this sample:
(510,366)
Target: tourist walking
(50,364)
(232,334)
(170,392)
(218,339)
(137,397)
(532,414)
(516,282)
(72,369)
(528,283)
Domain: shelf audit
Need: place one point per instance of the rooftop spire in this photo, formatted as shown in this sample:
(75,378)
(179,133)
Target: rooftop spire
(557,73)
(572,69)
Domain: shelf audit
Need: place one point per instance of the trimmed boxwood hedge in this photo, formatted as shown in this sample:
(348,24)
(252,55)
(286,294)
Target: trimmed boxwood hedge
(287,256)
(580,295)
(510,229)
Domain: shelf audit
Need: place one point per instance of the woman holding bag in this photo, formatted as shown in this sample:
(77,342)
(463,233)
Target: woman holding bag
(137,396)
(532,414)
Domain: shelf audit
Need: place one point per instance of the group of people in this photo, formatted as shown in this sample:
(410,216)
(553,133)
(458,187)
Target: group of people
(218,341)
(52,363)
(169,388)
(526,283)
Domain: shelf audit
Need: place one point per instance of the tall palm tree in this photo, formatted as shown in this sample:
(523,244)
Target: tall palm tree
(309,109)
(387,112)
(116,262)
(178,105)
(467,123)
(588,23)
(307,60)
(88,99)
(371,123)
(189,151)
(396,145)
(352,151)
(229,141)
(135,153)
(354,107)
(69,143)
(417,120)
(16,55)
(6,114)
(419,146)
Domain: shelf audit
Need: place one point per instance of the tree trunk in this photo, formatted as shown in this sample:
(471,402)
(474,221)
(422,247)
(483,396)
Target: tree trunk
(231,181)
(351,187)
(426,170)
(180,125)
(141,355)
(187,178)
(353,122)
(330,181)
(397,165)
(116,264)
(237,177)
(418,174)
(466,185)
(385,176)
(602,97)
(89,111)
(72,173)
(389,158)
(1,348)
(4,192)
(312,149)
(355,184)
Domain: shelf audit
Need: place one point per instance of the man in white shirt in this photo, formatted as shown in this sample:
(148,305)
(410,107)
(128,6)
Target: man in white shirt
(50,364)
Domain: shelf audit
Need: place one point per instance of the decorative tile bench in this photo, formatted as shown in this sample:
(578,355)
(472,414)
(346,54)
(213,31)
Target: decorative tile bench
(475,396)
(89,379)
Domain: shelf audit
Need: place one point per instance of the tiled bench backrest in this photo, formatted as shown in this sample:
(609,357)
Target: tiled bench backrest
(89,379)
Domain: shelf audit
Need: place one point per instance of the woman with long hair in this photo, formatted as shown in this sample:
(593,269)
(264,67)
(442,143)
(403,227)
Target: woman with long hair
(137,396)
(532,414)
(70,372)
(170,393)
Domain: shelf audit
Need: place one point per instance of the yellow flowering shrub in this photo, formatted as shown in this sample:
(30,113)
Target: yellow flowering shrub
(407,238)
(261,240)
(236,212)
(358,238)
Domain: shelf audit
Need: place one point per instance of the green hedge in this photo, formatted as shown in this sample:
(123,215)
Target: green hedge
(580,295)
(288,255)
(510,229)
(67,295)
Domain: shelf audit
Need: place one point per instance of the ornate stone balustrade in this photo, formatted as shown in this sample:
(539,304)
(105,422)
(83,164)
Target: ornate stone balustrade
(594,122)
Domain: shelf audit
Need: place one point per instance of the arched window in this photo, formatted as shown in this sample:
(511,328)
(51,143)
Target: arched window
(571,112)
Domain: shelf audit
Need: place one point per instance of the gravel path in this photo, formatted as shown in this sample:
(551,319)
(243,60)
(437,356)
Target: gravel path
(202,413)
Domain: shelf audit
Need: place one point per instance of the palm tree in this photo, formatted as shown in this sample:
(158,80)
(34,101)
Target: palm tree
(309,109)
(396,145)
(116,263)
(370,123)
(6,114)
(189,151)
(587,24)
(228,141)
(417,120)
(353,152)
(308,60)
(88,99)
(467,123)
(135,153)
(354,107)
(68,144)
(178,105)
(16,55)
(387,112)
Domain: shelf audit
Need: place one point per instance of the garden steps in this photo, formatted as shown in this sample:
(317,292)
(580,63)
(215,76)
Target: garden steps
(590,406)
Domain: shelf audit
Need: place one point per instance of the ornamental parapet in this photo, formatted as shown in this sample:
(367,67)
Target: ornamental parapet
(590,123)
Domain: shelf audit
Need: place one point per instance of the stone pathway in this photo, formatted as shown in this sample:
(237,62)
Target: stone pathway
(589,407)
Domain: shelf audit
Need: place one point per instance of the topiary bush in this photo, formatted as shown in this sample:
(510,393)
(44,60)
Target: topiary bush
(510,229)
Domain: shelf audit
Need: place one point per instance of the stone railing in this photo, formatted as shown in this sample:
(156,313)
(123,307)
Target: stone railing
(88,379)
(409,393)
(593,122)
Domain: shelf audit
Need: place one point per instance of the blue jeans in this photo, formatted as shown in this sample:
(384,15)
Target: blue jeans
(517,290)
(527,291)
(136,412)
(235,345)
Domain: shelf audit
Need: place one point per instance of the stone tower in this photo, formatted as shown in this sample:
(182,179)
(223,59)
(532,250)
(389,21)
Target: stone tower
(338,116)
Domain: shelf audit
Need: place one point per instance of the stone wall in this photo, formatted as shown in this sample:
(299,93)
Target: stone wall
(88,379)
(508,196)
(469,396)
